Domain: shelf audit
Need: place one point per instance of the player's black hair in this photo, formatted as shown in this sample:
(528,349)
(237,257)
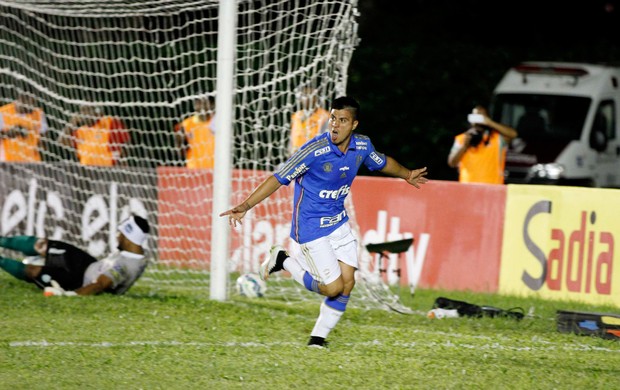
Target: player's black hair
(348,103)
(142,223)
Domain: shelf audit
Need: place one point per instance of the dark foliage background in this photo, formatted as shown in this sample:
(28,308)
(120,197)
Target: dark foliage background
(423,64)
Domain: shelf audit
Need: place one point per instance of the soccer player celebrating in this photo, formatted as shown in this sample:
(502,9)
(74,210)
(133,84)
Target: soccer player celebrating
(324,250)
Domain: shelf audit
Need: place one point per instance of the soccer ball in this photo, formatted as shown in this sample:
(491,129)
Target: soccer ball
(250,285)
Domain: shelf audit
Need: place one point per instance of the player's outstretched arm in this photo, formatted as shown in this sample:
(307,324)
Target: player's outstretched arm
(263,191)
(415,177)
(100,285)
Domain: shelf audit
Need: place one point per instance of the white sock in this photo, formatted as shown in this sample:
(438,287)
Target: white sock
(297,272)
(328,318)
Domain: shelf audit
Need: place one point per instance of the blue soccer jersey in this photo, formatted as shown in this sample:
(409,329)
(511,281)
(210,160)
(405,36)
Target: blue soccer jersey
(323,176)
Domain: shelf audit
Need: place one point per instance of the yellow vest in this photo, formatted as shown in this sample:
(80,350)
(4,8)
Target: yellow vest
(22,149)
(484,163)
(93,143)
(201,142)
(305,128)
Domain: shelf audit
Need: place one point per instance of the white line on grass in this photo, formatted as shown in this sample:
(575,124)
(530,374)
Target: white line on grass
(412,345)
(105,344)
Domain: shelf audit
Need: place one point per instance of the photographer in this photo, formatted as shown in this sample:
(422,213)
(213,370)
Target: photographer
(480,152)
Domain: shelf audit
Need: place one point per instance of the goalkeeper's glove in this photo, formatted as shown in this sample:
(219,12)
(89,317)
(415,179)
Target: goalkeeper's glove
(56,290)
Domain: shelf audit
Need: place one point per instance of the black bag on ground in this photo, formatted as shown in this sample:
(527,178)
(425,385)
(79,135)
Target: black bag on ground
(466,309)
(604,325)
(463,308)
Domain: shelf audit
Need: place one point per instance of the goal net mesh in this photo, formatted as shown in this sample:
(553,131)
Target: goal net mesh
(142,65)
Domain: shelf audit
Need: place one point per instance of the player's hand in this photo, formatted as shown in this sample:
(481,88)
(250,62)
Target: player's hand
(236,214)
(417,177)
(55,290)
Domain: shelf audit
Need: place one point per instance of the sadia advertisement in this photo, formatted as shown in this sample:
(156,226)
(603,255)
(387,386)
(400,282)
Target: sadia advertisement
(559,243)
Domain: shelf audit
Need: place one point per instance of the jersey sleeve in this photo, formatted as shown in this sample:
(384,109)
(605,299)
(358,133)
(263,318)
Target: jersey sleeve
(374,161)
(295,166)
(301,161)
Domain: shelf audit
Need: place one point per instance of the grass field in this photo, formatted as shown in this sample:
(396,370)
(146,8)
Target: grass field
(185,341)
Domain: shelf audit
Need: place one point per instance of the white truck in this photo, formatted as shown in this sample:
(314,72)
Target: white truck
(566,115)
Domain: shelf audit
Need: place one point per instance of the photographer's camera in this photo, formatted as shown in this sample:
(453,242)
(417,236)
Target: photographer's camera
(475,139)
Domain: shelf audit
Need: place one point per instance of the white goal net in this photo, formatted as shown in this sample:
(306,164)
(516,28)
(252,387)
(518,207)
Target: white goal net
(135,70)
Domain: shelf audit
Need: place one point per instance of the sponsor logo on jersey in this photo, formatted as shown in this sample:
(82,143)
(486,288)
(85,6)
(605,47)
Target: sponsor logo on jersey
(331,221)
(114,273)
(344,168)
(375,157)
(322,151)
(335,194)
(362,145)
(56,251)
(298,171)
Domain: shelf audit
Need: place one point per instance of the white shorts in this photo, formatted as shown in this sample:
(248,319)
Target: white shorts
(320,257)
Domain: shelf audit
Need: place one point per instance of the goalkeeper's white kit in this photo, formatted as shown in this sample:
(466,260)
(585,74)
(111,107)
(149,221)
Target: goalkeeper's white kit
(122,267)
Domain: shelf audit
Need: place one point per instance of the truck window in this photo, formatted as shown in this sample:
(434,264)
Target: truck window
(604,120)
(542,116)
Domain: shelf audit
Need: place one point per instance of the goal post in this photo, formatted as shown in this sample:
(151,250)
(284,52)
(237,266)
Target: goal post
(222,174)
(144,64)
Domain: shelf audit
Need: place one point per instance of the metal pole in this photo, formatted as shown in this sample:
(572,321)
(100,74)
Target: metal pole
(222,173)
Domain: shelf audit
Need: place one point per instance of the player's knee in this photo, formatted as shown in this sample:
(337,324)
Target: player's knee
(333,289)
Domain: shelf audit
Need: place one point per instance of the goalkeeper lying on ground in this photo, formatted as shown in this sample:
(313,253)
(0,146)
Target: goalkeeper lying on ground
(62,269)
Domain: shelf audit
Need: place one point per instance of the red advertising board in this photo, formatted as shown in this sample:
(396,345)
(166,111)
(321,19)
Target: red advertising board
(185,211)
(184,215)
(458,226)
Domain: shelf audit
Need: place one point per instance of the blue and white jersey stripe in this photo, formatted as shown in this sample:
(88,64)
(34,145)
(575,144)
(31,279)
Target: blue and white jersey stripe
(323,176)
